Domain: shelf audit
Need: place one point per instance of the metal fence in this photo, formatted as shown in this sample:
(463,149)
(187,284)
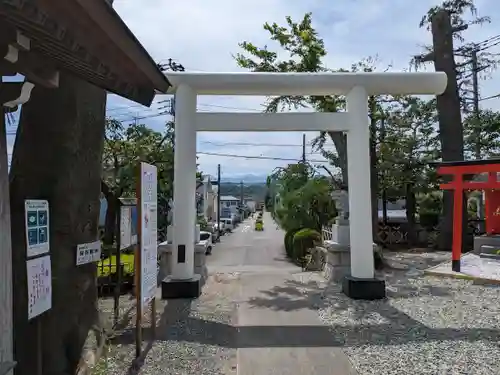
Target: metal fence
(116,269)
(396,234)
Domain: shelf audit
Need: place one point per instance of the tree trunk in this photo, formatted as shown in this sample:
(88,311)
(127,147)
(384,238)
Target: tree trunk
(339,139)
(449,114)
(57,156)
(411,207)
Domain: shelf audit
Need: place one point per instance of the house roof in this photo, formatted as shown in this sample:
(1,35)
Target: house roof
(88,39)
(228,198)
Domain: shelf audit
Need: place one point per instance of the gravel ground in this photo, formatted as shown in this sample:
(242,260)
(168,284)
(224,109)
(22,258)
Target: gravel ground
(428,325)
(191,337)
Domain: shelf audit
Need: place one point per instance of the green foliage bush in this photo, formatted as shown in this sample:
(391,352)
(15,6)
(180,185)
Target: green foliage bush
(289,242)
(202,222)
(429,209)
(304,240)
(310,206)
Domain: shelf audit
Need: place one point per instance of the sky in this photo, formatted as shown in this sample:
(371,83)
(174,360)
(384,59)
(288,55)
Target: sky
(204,35)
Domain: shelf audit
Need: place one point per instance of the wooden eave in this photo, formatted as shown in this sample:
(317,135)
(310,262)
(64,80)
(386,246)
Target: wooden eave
(87,38)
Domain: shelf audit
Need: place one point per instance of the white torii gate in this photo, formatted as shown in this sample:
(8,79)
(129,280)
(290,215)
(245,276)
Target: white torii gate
(355,122)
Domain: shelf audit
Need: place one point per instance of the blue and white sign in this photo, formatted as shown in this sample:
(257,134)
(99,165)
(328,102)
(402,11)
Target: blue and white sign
(37,227)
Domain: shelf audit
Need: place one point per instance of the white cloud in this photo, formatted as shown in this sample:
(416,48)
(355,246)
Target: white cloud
(203,35)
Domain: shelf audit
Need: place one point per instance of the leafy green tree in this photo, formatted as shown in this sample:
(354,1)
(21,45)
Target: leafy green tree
(462,13)
(309,206)
(306,49)
(482,134)
(409,145)
(124,149)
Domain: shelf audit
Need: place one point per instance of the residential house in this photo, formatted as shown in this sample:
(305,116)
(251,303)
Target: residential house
(250,204)
(228,205)
(205,198)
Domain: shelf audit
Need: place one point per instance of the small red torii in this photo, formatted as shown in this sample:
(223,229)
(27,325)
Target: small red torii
(492,192)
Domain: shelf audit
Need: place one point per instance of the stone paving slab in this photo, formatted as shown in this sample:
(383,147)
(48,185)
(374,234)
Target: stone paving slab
(473,267)
(280,332)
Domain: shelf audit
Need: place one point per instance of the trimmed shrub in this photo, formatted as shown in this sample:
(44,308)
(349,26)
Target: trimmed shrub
(289,242)
(304,240)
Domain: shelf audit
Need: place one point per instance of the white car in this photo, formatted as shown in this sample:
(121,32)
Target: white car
(206,241)
(229,224)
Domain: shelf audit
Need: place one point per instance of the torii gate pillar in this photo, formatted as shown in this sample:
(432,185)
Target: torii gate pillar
(357,87)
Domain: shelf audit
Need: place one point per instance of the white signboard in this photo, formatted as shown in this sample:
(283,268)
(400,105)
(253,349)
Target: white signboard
(88,253)
(39,285)
(36,213)
(149,232)
(125,227)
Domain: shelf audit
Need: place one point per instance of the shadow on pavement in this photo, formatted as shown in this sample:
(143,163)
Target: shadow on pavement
(177,323)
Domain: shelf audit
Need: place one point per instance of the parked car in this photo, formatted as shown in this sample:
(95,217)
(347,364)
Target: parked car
(229,224)
(206,241)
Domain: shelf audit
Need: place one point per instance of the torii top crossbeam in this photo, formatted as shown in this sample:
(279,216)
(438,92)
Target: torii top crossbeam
(270,84)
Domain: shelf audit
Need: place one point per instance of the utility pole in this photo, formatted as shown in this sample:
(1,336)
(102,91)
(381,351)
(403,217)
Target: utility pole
(172,66)
(241,193)
(477,119)
(475,101)
(219,192)
(304,149)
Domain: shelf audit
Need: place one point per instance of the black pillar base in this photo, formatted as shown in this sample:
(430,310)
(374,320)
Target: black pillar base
(367,289)
(172,289)
(455,265)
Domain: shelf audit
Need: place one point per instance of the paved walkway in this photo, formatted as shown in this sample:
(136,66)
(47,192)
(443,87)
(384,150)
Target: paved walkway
(258,314)
(278,329)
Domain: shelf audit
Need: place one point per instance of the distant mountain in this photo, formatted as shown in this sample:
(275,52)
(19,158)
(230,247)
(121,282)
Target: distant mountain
(256,190)
(246,178)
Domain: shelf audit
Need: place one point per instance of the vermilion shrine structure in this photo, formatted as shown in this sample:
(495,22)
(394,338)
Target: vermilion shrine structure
(465,178)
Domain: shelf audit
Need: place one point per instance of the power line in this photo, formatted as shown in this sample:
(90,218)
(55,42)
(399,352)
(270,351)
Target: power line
(490,97)
(135,118)
(127,108)
(253,144)
(226,107)
(258,157)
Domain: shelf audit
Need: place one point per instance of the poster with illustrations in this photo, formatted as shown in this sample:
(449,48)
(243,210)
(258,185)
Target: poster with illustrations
(37,227)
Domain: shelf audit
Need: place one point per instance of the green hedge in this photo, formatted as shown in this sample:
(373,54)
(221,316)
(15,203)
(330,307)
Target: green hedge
(304,240)
(289,242)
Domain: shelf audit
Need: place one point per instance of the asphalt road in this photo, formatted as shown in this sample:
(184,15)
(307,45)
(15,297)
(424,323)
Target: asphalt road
(246,250)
